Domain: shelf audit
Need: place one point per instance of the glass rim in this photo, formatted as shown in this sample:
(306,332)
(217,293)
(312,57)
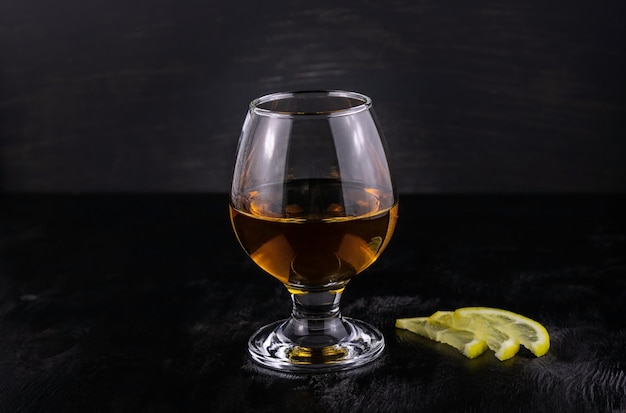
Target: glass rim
(365,103)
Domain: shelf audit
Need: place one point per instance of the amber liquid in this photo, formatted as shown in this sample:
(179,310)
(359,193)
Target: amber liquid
(314,233)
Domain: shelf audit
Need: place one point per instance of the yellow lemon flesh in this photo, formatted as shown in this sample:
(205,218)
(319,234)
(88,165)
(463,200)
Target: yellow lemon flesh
(472,330)
(462,340)
(529,333)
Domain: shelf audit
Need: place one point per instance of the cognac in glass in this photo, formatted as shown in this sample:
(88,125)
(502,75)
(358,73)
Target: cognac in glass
(313,203)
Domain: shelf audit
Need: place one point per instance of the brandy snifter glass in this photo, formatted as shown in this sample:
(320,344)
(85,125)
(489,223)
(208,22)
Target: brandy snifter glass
(313,203)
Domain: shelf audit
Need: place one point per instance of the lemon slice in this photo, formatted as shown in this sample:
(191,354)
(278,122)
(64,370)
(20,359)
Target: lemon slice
(472,329)
(528,332)
(437,328)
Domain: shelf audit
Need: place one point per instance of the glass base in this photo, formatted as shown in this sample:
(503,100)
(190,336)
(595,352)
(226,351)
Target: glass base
(284,346)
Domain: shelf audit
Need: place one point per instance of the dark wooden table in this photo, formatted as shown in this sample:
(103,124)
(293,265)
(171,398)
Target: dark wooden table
(144,303)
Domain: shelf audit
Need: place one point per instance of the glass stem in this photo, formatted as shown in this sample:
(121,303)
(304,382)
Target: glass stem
(316,320)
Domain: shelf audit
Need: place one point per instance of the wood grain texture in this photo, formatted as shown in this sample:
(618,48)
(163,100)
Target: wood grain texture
(495,96)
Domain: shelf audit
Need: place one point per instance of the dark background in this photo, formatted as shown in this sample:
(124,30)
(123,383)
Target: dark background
(145,302)
(491,96)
